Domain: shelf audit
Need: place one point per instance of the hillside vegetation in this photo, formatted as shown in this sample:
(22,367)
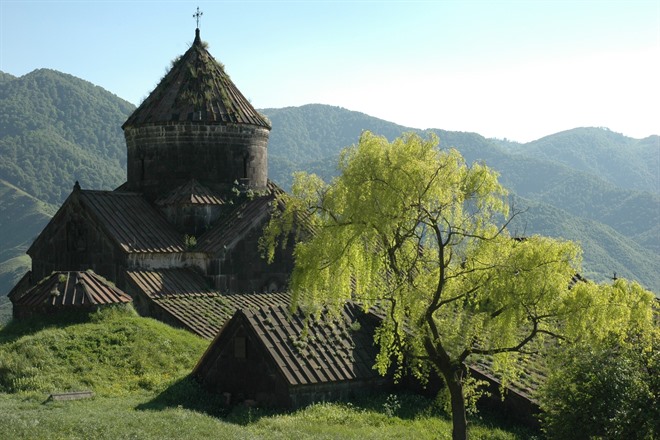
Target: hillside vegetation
(56,129)
(622,161)
(586,184)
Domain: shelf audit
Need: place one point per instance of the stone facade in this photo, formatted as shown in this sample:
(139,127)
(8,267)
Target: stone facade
(163,157)
(74,241)
(197,194)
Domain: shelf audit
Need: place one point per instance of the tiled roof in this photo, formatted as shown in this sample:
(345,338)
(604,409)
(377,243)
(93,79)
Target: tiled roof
(191,193)
(132,222)
(165,282)
(205,314)
(76,289)
(185,295)
(196,89)
(331,350)
(233,227)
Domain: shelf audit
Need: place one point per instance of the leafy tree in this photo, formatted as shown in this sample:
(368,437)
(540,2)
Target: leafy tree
(608,389)
(416,232)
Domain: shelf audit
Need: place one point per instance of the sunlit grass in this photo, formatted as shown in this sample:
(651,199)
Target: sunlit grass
(139,371)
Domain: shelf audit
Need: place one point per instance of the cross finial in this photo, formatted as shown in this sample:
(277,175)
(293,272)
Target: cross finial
(197,15)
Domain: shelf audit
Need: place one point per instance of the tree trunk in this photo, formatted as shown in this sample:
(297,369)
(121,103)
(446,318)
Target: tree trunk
(458,415)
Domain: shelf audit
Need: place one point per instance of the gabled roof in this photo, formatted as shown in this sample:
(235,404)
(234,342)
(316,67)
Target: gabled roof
(235,225)
(329,351)
(73,289)
(186,296)
(132,222)
(196,89)
(191,193)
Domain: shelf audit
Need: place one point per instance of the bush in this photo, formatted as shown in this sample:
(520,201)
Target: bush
(608,392)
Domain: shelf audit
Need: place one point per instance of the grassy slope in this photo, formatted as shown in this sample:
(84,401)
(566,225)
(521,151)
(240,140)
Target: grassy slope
(138,369)
(115,353)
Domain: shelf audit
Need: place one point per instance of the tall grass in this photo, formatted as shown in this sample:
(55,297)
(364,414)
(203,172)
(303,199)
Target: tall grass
(26,417)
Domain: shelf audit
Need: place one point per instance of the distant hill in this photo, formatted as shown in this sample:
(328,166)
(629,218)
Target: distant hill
(625,162)
(56,129)
(619,227)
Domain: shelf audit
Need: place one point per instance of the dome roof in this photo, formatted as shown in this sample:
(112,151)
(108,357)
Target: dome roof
(196,89)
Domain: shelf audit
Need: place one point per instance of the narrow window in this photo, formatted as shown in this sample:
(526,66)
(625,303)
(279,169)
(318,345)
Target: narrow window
(239,347)
(245,166)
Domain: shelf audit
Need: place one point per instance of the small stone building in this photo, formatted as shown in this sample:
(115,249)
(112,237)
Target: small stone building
(268,356)
(192,210)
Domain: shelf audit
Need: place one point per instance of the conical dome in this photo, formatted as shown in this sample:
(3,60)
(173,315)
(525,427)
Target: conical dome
(196,124)
(196,89)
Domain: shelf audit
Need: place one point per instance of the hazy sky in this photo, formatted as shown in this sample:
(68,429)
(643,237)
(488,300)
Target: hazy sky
(509,69)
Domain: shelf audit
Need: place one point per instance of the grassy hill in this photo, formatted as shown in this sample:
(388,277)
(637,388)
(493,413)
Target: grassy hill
(138,369)
(113,353)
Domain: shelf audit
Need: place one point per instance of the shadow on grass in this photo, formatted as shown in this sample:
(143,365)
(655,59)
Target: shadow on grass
(188,394)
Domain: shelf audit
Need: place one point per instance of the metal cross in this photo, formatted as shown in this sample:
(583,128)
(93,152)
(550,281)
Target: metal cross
(197,15)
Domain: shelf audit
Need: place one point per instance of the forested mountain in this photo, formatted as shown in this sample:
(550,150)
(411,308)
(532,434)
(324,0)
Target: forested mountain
(618,227)
(56,129)
(622,161)
(22,217)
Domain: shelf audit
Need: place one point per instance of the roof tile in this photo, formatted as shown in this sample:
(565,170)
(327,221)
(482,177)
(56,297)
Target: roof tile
(196,89)
(132,222)
(73,289)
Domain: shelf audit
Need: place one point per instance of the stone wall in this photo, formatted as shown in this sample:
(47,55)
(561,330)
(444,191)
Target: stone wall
(242,269)
(162,157)
(74,241)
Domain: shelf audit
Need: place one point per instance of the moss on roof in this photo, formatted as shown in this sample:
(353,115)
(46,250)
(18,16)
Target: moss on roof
(196,89)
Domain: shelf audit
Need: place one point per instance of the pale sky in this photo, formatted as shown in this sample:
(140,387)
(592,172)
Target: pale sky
(508,69)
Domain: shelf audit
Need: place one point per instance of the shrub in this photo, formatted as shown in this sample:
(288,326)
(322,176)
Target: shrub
(608,392)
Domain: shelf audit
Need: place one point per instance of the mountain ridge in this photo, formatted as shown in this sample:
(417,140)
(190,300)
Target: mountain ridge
(76,135)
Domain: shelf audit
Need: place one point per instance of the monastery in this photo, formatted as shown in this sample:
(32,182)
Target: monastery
(179,239)
(180,236)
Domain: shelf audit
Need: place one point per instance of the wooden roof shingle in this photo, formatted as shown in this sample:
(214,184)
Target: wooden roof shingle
(73,289)
(132,222)
(197,90)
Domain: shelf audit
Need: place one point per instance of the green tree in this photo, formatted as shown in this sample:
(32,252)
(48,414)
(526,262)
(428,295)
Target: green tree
(418,233)
(608,389)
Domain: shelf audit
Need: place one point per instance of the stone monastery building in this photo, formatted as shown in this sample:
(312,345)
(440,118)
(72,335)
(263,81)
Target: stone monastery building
(180,236)
(180,240)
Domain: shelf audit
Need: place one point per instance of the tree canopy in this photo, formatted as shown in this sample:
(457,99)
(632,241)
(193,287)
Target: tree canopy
(417,233)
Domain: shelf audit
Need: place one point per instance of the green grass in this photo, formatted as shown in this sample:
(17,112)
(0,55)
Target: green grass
(115,352)
(28,417)
(138,369)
